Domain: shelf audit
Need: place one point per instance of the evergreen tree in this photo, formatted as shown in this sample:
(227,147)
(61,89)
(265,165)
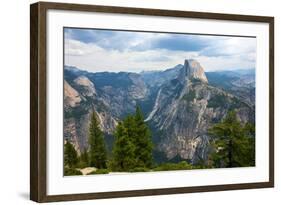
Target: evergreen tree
(97,150)
(233,143)
(123,150)
(130,125)
(84,158)
(142,141)
(133,144)
(248,148)
(70,155)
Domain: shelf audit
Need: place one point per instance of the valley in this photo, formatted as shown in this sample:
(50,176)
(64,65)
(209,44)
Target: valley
(180,105)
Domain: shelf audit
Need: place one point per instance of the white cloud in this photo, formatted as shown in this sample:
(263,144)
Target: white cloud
(222,53)
(96,59)
(230,46)
(225,63)
(77,48)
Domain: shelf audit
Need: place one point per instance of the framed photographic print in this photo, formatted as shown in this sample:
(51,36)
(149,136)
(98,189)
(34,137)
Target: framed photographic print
(134,102)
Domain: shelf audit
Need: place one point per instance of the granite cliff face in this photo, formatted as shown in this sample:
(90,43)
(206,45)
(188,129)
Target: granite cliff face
(71,96)
(80,100)
(179,104)
(111,95)
(185,108)
(193,70)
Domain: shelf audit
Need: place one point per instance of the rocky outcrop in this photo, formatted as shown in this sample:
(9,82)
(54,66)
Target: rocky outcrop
(122,93)
(111,101)
(180,105)
(76,129)
(87,87)
(79,104)
(193,70)
(71,96)
(184,111)
(138,89)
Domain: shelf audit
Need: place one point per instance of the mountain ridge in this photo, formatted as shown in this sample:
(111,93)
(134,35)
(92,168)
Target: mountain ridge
(182,102)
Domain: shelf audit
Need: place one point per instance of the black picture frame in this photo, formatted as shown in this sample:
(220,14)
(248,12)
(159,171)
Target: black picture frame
(38,102)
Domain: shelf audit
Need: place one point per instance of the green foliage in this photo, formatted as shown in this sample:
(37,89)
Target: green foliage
(70,155)
(236,103)
(133,144)
(234,144)
(97,150)
(83,159)
(81,164)
(202,165)
(248,148)
(130,125)
(183,165)
(217,101)
(99,171)
(142,141)
(189,96)
(123,150)
(71,172)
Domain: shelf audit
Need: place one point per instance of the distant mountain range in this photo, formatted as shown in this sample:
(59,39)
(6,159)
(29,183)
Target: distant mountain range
(180,104)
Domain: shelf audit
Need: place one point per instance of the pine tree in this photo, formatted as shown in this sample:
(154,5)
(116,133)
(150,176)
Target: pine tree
(248,148)
(84,158)
(70,155)
(142,141)
(130,125)
(233,143)
(123,150)
(97,150)
(133,144)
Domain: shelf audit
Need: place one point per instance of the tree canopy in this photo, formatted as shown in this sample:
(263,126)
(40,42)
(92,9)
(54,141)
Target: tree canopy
(233,143)
(97,149)
(133,144)
(70,155)
(123,150)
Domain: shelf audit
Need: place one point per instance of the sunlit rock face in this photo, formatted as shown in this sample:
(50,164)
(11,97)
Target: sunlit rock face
(185,108)
(86,86)
(193,70)
(180,104)
(71,96)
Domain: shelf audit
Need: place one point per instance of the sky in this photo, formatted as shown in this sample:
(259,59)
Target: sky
(107,50)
